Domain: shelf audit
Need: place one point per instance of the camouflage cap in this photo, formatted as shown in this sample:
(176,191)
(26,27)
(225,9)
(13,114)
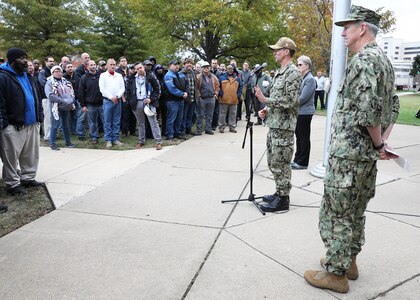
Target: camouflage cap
(283,42)
(359,13)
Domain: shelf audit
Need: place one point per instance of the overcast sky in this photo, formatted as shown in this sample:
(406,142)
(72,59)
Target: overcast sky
(407,13)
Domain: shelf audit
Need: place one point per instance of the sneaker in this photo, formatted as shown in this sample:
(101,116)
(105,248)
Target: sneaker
(16,190)
(159,147)
(31,183)
(94,141)
(3,208)
(197,133)
(221,130)
(70,145)
(210,132)
(139,145)
(296,166)
(54,147)
(270,198)
(117,143)
(233,130)
(108,145)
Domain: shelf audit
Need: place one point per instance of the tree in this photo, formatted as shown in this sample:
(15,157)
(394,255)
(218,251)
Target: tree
(216,28)
(42,27)
(117,31)
(415,69)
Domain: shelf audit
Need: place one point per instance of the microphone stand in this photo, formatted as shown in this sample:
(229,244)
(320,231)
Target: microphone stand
(251,196)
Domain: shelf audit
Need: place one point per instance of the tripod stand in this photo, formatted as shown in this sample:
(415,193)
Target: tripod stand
(251,197)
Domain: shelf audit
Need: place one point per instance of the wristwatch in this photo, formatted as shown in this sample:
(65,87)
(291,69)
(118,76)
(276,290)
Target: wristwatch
(379,147)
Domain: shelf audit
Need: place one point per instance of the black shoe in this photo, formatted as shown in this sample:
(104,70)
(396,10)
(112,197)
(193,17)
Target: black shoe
(82,138)
(296,166)
(197,133)
(16,190)
(279,204)
(31,183)
(181,137)
(54,147)
(214,128)
(210,132)
(70,145)
(188,131)
(3,208)
(270,198)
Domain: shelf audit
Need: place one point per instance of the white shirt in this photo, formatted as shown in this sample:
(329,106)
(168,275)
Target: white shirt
(111,85)
(141,87)
(320,83)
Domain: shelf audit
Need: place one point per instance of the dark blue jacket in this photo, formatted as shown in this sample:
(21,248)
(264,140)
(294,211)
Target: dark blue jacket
(13,100)
(176,85)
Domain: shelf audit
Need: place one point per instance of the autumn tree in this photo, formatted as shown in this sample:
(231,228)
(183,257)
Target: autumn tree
(42,27)
(309,24)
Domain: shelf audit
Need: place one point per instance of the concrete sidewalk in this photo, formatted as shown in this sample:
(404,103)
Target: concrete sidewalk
(147,224)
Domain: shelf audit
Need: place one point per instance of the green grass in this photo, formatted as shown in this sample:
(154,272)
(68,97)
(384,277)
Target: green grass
(409,105)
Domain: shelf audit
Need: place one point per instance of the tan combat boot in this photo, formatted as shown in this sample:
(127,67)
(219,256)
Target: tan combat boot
(324,280)
(352,273)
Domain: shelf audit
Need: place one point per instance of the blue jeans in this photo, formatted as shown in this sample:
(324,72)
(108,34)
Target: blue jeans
(92,116)
(174,118)
(64,117)
(81,117)
(74,115)
(189,109)
(112,120)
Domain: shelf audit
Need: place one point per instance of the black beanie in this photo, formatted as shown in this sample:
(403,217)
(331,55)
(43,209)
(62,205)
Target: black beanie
(14,53)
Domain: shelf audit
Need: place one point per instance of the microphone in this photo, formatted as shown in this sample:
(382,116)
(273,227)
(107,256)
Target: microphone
(256,70)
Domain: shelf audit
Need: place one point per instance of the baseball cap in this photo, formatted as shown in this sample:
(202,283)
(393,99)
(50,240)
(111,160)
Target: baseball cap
(283,42)
(359,13)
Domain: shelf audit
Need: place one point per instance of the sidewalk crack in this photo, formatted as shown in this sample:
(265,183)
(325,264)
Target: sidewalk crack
(382,294)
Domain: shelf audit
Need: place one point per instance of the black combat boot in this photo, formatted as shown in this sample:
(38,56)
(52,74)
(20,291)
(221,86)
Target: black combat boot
(270,198)
(280,203)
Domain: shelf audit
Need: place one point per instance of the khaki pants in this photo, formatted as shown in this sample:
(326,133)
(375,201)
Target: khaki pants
(19,149)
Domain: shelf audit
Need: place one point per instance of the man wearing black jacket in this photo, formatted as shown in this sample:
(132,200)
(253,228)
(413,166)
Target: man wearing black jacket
(143,89)
(91,99)
(20,115)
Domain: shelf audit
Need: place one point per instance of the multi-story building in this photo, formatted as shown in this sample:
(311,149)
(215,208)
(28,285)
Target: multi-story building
(401,56)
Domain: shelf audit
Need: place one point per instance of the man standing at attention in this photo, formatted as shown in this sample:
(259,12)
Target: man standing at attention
(21,113)
(112,87)
(281,112)
(364,114)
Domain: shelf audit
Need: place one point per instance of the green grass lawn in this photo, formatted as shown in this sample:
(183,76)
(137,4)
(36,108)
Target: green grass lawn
(409,105)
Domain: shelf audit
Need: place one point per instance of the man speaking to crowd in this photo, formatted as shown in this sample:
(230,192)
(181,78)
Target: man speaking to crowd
(364,113)
(281,114)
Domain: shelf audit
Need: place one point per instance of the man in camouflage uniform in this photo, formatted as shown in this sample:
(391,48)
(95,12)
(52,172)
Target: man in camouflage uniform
(281,112)
(363,116)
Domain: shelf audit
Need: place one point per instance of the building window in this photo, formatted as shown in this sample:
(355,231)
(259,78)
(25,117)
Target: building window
(397,47)
(386,47)
(396,53)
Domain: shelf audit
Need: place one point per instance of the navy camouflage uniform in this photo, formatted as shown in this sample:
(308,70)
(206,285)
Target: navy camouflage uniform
(282,105)
(365,99)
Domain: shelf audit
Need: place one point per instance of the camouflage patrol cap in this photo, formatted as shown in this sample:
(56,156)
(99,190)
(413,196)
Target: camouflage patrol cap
(283,42)
(359,13)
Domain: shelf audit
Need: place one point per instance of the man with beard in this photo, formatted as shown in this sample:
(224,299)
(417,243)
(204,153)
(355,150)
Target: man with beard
(21,114)
(91,100)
